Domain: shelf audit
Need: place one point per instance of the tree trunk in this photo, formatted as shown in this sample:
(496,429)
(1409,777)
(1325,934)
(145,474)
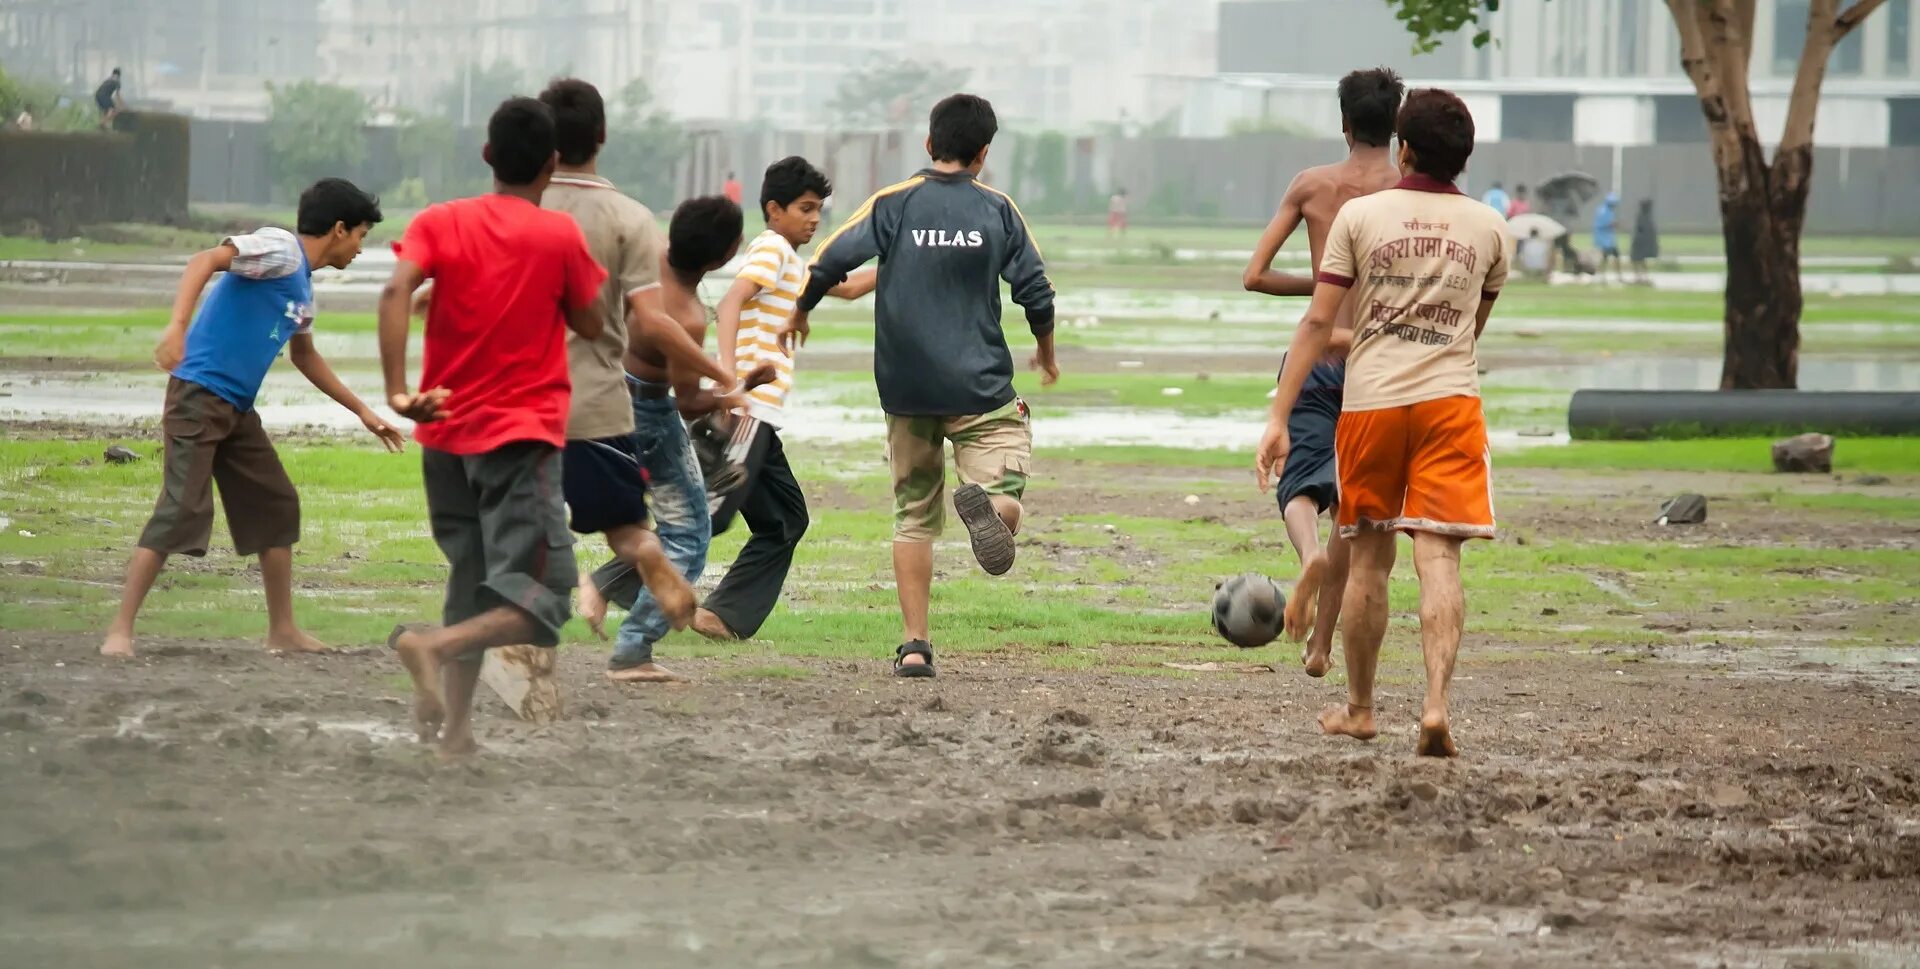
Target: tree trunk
(1761,215)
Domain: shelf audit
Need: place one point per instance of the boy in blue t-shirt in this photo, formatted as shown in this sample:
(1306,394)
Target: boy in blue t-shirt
(213,434)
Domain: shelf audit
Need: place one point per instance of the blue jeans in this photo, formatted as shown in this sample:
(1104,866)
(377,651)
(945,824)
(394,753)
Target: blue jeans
(677,496)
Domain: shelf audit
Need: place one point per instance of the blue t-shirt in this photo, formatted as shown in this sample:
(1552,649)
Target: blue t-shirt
(248,316)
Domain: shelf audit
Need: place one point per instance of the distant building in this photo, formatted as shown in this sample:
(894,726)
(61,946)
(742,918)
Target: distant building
(1600,72)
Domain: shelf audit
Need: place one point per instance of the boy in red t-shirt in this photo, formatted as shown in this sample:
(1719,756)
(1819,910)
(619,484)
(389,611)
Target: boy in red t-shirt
(510,279)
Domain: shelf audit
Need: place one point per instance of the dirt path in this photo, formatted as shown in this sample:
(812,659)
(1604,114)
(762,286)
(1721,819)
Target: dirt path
(215,806)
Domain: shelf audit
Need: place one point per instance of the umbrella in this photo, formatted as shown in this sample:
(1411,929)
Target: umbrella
(1525,224)
(1567,193)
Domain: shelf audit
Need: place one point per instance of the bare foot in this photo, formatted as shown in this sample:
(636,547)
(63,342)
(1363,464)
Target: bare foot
(1318,658)
(645,673)
(1306,597)
(458,748)
(1347,720)
(117,645)
(1436,737)
(709,625)
(294,641)
(593,606)
(429,707)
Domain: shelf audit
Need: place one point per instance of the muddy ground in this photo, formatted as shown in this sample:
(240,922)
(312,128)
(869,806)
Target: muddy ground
(215,806)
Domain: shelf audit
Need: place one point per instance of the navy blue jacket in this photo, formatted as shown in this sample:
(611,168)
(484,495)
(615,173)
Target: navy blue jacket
(944,241)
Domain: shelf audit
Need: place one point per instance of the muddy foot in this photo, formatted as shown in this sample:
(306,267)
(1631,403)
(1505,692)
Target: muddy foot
(429,708)
(458,748)
(294,641)
(1306,598)
(592,606)
(1436,737)
(709,625)
(645,673)
(117,645)
(1318,658)
(1346,720)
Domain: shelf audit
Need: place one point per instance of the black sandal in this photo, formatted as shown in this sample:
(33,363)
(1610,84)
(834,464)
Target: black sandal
(918,647)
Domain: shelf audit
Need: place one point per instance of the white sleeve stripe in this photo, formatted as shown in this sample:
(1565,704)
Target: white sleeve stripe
(637,290)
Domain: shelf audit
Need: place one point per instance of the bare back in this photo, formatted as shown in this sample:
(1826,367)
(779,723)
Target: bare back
(1322,190)
(646,361)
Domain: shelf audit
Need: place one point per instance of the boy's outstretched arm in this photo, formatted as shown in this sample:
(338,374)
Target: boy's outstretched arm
(200,269)
(1260,276)
(727,322)
(1026,273)
(847,249)
(857,285)
(396,306)
(319,373)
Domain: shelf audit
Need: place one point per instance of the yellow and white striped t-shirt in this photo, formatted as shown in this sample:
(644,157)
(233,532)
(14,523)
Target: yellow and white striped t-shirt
(779,272)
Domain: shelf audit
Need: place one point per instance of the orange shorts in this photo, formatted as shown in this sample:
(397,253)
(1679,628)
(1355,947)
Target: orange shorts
(1419,468)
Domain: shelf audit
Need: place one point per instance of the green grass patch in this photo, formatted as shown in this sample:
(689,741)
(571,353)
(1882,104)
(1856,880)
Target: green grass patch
(1867,455)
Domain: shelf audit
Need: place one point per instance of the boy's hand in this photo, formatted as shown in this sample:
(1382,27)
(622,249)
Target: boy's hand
(1049,369)
(762,374)
(797,328)
(386,432)
(424,407)
(171,349)
(1271,457)
(421,301)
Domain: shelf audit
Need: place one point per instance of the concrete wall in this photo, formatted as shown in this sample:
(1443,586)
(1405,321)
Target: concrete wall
(1237,180)
(1856,190)
(58,182)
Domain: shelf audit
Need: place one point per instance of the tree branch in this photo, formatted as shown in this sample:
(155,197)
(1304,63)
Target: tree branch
(1803,106)
(1860,11)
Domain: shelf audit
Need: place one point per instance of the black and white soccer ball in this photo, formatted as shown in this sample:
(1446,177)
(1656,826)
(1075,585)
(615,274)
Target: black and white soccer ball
(1249,610)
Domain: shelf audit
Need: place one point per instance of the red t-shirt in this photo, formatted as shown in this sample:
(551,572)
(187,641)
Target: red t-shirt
(504,270)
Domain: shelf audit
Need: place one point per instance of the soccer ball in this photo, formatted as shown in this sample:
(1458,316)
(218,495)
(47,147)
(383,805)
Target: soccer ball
(1249,610)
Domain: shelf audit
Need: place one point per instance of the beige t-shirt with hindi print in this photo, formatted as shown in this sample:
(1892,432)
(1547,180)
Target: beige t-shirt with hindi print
(1420,258)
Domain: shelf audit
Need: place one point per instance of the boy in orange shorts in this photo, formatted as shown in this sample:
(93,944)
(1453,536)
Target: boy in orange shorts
(1423,263)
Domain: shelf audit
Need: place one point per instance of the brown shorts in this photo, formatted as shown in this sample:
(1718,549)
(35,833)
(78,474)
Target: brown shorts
(990,450)
(210,442)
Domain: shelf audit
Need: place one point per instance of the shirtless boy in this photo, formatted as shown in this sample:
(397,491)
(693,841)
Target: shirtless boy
(1368,102)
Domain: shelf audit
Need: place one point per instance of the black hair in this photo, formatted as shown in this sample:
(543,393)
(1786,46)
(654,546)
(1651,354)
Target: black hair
(702,231)
(1520,189)
(960,128)
(788,179)
(332,200)
(116,70)
(520,140)
(1436,125)
(1368,102)
(579,118)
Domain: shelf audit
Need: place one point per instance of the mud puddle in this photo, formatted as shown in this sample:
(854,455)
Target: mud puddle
(1759,654)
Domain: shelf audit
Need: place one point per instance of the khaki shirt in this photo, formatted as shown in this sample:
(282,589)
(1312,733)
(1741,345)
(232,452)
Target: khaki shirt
(623,237)
(1420,259)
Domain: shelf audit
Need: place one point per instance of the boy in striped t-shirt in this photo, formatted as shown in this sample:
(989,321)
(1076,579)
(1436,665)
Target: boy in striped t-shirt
(752,314)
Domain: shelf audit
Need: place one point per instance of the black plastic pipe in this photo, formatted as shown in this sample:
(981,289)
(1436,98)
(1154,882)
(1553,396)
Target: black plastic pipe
(1643,414)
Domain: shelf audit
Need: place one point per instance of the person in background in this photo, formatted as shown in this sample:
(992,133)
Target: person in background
(731,189)
(1606,237)
(1519,205)
(1646,242)
(24,121)
(1496,199)
(1535,257)
(1117,213)
(107,98)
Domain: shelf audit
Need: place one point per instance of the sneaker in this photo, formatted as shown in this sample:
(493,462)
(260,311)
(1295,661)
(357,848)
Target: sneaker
(992,540)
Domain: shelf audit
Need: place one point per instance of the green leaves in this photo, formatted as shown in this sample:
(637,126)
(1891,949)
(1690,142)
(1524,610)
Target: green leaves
(1432,21)
(314,131)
